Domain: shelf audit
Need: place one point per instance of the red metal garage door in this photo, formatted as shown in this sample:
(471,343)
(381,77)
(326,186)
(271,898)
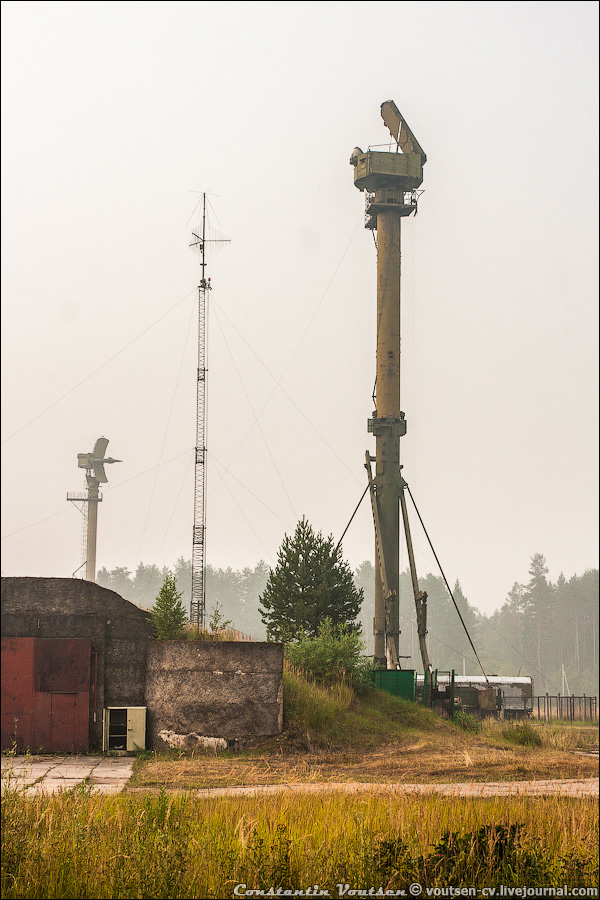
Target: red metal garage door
(18,696)
(46,694)
(63,721)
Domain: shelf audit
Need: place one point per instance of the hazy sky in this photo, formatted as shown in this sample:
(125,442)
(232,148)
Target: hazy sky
(114,114)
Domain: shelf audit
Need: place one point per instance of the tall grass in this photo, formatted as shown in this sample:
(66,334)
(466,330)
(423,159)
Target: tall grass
(556,736)
(312,711)
(83,845)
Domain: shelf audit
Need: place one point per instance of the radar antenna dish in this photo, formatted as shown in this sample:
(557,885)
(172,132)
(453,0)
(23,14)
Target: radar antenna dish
(396,124)
(95,461)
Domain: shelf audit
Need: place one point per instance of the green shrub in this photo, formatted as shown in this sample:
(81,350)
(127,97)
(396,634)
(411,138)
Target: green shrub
(334,654)
(466,721)
(523,734)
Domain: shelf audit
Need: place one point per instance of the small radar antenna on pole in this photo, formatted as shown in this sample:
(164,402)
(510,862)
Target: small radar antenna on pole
(95,475)
(199,243)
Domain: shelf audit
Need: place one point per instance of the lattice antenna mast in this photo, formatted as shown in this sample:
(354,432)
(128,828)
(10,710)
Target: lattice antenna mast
(198,600)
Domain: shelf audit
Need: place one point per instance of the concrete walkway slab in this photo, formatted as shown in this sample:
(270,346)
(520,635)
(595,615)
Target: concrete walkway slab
(47,774)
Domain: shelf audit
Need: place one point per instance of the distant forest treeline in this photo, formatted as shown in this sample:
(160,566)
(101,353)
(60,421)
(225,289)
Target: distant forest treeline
(541,628)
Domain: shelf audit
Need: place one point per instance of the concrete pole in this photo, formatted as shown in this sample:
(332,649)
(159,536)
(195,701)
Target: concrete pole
(387,177)
(92,528)
(387,452)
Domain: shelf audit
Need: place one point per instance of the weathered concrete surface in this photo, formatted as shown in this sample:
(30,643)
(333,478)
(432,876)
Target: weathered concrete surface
(226,689)
(48,774)
(192,741)
(73,608)
(584,787)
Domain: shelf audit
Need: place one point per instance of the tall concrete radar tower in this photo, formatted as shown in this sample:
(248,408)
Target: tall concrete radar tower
(390,181)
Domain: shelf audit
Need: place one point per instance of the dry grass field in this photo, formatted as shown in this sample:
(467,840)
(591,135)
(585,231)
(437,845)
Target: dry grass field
(333,736)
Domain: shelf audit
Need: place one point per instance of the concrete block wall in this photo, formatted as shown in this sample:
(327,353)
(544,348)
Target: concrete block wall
(220,689)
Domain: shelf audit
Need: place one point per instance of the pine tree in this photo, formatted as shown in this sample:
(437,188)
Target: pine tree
(168,613)
(540,596)
(311,582)
(217,621)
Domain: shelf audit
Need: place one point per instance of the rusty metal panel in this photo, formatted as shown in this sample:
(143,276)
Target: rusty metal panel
(64,722)
(46,689)
(18,701)
(62,686)
(62,665)
(42,723)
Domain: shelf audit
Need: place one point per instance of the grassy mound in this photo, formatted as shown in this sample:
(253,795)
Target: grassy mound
(319,716)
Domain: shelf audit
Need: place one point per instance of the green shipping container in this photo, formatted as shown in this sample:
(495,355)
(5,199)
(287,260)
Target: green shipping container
(400,682)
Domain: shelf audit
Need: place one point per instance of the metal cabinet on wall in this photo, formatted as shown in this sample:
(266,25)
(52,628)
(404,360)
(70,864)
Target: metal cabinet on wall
(124,728)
